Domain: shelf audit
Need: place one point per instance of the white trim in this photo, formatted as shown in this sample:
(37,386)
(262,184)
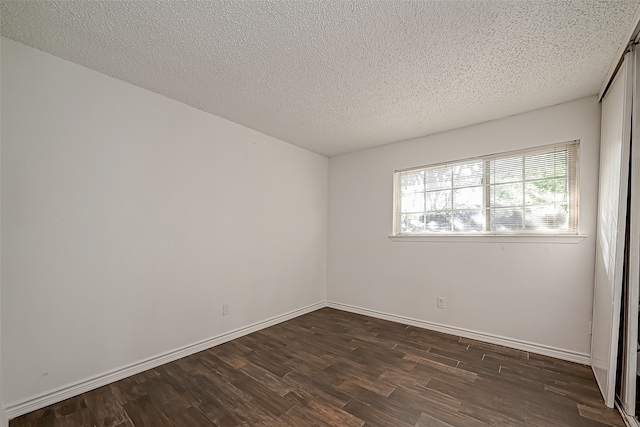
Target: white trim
(489,238)
(62,393)
(597,380)
(558,353)
(629,420)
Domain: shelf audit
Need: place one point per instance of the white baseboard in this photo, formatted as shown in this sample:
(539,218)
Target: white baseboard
(557,353)
(84,386)
(60,394)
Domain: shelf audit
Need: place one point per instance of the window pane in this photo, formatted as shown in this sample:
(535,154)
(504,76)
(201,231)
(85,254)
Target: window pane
(411,182)
(546,165)
(561,161)
(540,192)
(506,195)
(438,178)
(438,200)
(412,223)
(413,202)
(468,221)
(509,219)
(506,170)
(467,198)
(540,166)
(438,221)
(550,217)
(561,191)
(467,174)
(529,190)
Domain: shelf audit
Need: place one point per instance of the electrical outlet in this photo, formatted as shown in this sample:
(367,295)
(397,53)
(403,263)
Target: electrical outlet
(225,309)
(441,302)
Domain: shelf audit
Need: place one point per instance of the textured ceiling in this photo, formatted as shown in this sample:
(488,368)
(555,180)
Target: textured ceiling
(339,76)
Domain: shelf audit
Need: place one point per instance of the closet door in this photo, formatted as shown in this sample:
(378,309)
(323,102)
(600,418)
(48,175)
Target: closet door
(612,212)
(629,391)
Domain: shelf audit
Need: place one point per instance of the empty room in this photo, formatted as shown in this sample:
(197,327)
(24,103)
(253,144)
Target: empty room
(319,213)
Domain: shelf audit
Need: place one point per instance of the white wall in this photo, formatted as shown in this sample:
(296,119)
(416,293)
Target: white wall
(534,292)
(129,218)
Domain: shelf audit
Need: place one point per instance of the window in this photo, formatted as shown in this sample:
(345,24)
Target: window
(532,191)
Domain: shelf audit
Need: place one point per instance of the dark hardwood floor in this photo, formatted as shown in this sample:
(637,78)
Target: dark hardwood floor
(332,368)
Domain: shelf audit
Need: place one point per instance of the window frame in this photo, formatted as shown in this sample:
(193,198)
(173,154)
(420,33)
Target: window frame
(562,236)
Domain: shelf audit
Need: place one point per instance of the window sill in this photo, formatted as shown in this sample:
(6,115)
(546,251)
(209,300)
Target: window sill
(491,238)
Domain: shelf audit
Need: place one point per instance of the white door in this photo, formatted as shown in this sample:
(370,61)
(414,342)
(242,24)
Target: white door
(612,211)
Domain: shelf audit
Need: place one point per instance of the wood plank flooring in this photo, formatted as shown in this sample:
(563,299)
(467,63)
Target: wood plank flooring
(333,368)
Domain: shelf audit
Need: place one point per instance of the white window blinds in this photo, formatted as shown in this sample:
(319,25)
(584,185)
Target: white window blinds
(529,191)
